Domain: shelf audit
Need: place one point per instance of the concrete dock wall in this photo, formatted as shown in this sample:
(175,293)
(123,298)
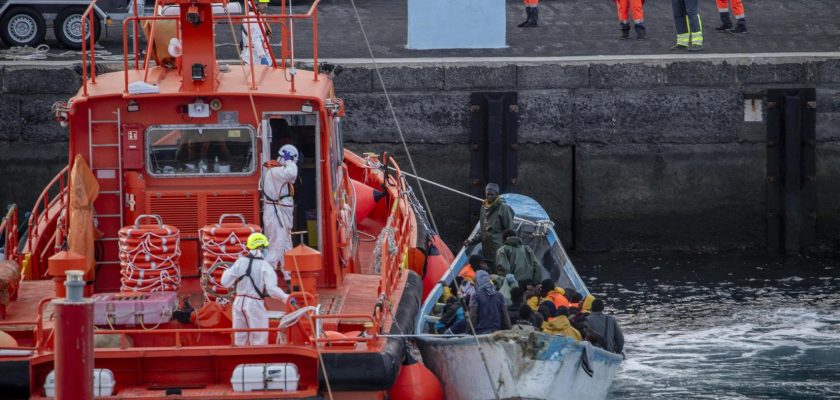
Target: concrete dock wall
(625,154)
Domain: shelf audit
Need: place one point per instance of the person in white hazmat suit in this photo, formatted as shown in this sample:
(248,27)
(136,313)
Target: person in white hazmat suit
(255,280)
(278,190)
(259,50)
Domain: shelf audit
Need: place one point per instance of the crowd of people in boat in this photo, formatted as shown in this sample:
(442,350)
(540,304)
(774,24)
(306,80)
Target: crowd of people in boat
(495,302)
(501,288)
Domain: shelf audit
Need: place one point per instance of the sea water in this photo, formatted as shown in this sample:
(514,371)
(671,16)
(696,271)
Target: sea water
(723,326)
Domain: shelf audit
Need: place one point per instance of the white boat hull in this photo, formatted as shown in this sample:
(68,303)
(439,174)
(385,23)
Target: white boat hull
(523,365)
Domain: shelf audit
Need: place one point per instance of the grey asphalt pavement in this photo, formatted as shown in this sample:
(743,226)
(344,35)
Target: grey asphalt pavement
(567,28)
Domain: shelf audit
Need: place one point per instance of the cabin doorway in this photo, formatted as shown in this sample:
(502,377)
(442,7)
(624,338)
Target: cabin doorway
(302,131)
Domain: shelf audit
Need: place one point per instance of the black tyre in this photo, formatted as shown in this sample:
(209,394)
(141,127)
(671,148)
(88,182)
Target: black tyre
(68,27)
(22,26)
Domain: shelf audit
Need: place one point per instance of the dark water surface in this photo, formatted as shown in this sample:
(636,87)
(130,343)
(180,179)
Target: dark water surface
(723,326)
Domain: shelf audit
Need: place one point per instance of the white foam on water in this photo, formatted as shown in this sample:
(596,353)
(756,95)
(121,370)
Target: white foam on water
(756,351)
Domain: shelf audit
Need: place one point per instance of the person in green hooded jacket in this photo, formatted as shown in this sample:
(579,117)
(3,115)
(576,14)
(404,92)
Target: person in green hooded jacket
(518,259)
(496,217)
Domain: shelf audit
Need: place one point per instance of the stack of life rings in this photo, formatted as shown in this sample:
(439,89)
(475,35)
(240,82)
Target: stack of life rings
(149,256)
(221,245)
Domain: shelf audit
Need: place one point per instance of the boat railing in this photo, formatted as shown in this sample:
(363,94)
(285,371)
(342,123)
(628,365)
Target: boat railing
(283,19)
(43,220)
(395,234)
(43,337)
(9,234)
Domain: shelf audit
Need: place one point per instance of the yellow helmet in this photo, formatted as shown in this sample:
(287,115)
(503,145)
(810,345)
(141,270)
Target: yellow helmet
(264,1)
(256,241)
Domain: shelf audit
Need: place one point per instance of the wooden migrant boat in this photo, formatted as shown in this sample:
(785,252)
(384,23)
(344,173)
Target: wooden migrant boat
(174,150)
(517,364)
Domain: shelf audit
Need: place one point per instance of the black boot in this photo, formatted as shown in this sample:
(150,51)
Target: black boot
(527,18)
(535,14)
(740,27)
(726,22)
(625,30)
(641,32)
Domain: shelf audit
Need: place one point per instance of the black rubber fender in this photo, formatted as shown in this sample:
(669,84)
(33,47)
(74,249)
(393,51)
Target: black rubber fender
(376,371)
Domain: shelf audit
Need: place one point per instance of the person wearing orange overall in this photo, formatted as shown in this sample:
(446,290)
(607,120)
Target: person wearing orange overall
(533,13)
(737,7)
(638,10)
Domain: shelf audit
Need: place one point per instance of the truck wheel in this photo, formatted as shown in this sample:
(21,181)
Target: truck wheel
(68,27)
(23,26)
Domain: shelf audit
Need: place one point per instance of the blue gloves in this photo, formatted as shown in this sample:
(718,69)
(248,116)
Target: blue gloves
(287,156)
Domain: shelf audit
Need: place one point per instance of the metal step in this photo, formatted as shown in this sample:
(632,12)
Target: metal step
(105,145)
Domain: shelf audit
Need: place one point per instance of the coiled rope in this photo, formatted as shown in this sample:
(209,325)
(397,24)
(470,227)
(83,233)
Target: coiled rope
(43,52)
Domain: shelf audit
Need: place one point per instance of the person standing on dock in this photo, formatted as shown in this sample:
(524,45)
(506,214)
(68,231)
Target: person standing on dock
(624,9)
(532,11)
(278,191)
(495,218)
(255,279)
(688,25)
(737,7)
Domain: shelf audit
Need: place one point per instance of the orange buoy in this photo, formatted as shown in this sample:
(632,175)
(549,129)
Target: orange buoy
(436,266)
(366,199)
(7,340)
(416,382)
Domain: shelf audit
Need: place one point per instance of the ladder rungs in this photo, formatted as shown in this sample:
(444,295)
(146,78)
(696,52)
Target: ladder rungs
(110,192)
(107,215)
(105,145)
(103,121)
(107,262)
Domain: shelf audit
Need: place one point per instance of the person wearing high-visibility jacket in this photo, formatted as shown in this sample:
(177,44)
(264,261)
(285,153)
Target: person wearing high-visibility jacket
(688,25)
(532,11)
(624,9)
(737,7)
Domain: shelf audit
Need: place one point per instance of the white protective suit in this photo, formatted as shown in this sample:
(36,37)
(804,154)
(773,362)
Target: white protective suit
(248,307)
(261,53)
(278,211)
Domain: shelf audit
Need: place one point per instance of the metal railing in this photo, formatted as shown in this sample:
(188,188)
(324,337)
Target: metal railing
(9,232)
(398,226)
(283,19)
(43,219)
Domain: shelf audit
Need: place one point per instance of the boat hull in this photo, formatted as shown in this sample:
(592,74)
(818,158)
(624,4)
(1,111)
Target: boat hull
(522,364)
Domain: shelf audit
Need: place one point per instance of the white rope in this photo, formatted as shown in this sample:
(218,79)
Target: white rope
(393,115)
(159,252)
(293,317)
(230,249)
(386,235)
(43,52)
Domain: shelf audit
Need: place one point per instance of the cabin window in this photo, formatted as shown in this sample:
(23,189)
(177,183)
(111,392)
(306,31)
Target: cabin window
(200,150)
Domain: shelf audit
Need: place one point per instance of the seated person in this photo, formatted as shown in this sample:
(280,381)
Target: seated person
(517,298)
(487,307)
(526,317)
(452,313)
(578,319)
(586,304)
(560,325)
(548,291)
(466,288)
